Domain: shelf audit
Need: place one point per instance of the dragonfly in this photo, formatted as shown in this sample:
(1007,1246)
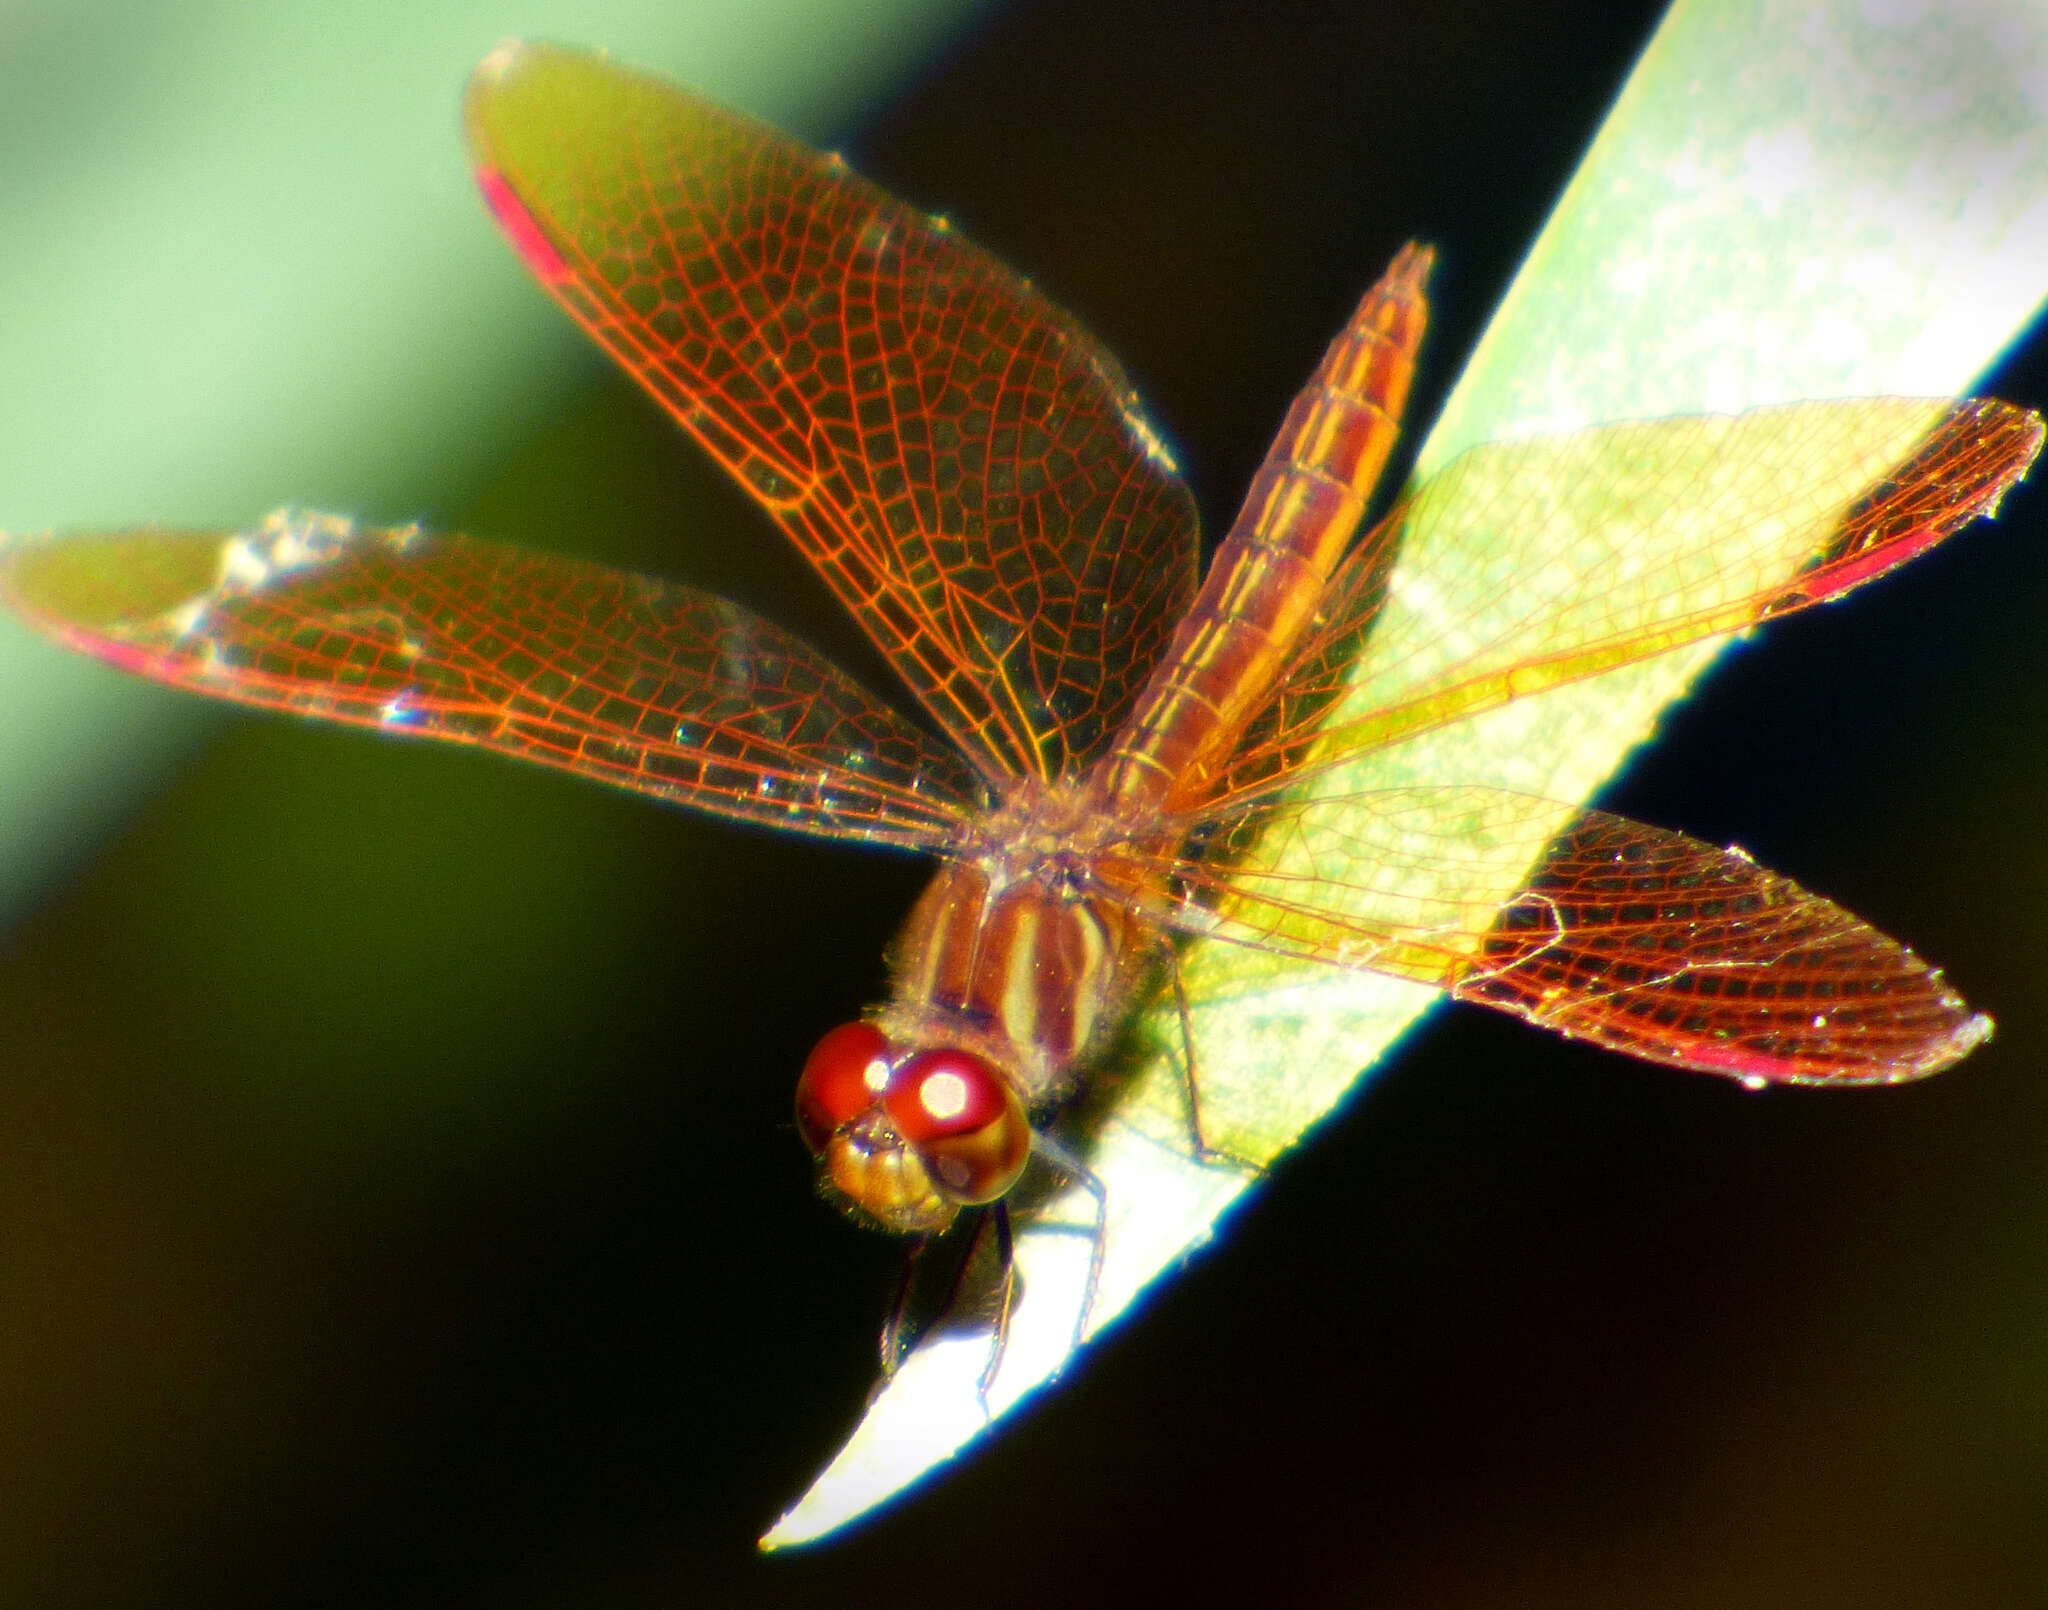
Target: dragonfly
(1110,752)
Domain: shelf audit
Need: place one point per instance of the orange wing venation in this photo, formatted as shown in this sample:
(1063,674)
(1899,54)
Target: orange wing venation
(1654,944)
(1552,548)
(661,689)
(1634,937)
(965,466)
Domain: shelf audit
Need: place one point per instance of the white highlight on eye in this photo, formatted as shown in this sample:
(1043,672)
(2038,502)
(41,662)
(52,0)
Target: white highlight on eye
(876,1076)
(944,1095)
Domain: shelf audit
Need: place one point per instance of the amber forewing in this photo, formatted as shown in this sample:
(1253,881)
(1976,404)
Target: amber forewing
(965,466)
(641,683)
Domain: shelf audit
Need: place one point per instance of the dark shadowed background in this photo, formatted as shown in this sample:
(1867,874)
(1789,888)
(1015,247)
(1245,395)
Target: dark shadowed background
(398,1198)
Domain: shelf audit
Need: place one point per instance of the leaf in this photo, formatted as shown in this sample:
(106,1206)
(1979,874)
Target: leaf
(1681,272)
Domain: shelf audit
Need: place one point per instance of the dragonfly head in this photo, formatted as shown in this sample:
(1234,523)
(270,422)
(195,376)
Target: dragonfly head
(907,1136)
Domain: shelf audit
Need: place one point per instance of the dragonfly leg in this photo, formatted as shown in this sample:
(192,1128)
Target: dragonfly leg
(999,1341)
(1085,1177)
(897,1330)
(945,1287)
(1191,1085)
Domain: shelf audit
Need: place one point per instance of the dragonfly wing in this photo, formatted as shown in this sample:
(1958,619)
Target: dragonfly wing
(661,689)
(1525,565)
(963,464)
(1631,936)
(1648,942)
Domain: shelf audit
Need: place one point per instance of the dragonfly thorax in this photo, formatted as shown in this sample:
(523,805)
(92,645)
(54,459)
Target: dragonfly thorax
(1013,965)
(1026,961)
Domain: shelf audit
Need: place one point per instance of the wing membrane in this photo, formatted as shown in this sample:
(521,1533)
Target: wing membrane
(963,464)
(1634,937)
(661,689)
(1652,943)
(1525,565)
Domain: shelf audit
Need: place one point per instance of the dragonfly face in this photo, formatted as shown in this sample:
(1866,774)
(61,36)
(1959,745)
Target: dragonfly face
(1126,755)
(907,1138)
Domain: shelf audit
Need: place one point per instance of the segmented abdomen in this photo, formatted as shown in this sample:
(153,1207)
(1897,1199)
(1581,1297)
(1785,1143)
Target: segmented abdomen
(1267,579)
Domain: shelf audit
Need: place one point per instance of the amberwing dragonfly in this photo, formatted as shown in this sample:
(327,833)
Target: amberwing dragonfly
(1115,750)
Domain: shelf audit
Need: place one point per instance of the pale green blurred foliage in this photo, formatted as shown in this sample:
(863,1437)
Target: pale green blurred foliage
(246,267)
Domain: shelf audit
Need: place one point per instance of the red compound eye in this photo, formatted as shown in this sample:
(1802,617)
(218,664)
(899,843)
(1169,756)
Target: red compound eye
(965,1121)
(843,1077)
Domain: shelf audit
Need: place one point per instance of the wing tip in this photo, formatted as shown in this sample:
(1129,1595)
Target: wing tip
(499,61)
(1935,1054)
(1972,1032)
(513,58)
(2004,440)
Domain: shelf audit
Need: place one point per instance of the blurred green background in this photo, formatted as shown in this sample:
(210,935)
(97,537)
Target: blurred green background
(398,1202)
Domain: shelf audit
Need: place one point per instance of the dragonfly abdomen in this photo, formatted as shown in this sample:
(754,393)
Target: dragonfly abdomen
(1267,579)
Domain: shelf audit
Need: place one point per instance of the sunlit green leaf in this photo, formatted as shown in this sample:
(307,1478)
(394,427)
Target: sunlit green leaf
(1774,211)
